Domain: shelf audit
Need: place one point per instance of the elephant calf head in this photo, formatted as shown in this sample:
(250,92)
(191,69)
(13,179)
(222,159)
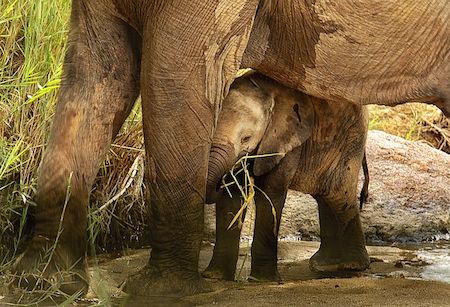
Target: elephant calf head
(258,116)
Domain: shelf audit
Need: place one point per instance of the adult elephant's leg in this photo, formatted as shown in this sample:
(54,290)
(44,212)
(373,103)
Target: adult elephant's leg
(226,248)
(342,244)
(191,53)
(100,86)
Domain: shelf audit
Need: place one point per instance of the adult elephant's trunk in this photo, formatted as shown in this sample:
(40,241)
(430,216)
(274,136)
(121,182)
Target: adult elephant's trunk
(221,160)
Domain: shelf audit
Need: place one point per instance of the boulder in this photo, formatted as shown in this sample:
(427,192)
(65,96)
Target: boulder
(409,196)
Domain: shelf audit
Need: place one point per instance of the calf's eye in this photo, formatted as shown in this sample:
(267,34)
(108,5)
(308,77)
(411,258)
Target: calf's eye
(245,139)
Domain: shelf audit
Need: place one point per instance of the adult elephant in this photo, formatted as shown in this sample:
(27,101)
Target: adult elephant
(182,57)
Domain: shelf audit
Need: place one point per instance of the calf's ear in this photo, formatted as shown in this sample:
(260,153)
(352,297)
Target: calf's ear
(291,124)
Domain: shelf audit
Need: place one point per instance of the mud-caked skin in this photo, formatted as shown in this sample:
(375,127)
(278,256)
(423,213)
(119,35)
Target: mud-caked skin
(323,143)
(182,57)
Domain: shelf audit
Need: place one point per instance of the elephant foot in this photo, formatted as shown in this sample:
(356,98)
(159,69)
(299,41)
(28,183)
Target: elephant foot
(217,270)
(40,268)
(212,273)
(355,260)
(325,261)
(271,275)
(151,281)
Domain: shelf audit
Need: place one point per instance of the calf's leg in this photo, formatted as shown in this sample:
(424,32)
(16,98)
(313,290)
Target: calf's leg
(226,248)
(269,206)
(342,244)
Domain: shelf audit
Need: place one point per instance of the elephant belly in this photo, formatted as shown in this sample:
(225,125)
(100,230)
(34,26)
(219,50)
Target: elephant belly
(358,51)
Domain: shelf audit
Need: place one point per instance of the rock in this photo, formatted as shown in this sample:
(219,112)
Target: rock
(409,195)
(409,190)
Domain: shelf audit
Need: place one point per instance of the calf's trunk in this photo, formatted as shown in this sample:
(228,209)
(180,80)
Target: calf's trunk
(221,160)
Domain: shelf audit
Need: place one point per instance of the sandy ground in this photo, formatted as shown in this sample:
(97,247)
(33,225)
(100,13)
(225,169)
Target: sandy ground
(392,280)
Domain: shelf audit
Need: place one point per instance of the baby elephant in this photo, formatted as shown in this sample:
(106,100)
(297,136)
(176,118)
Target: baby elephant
(324,146)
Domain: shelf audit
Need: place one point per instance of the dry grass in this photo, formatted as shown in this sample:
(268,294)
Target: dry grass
(413,121)
(246,187)
(32,46)
(31,51)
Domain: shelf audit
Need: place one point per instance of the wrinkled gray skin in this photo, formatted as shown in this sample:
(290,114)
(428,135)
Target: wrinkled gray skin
(323,143)
(182,56)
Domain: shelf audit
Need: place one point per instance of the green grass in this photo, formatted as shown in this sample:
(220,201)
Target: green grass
(33,38)
(32,45)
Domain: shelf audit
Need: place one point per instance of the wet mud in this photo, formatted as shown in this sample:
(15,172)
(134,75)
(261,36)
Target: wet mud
(398,276)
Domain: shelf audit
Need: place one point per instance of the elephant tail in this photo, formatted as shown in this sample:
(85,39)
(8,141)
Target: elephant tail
(365,188)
